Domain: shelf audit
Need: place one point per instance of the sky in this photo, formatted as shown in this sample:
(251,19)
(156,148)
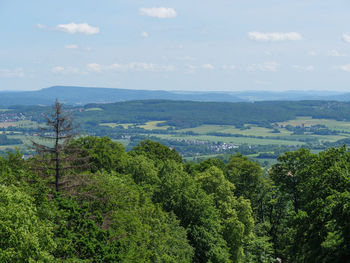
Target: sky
(191,45)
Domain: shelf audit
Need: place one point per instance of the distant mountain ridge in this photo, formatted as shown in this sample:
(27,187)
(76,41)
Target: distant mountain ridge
(83,95)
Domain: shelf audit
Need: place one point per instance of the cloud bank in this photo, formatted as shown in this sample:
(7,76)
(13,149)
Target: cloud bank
(71,46)
(346,38)
(158,12)
(259,36)
(345,68)
(73,28)
(145,34)
(267,66)
(16,73)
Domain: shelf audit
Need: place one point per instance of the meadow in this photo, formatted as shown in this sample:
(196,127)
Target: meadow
(276,135)
(342,126)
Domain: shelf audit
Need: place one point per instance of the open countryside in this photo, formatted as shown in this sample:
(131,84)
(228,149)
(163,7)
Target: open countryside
(263,140)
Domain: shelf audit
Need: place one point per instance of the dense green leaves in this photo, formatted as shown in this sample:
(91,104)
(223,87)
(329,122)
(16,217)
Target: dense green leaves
(157,151)
(24,237)
(149,206)
(318,188)
(104,154)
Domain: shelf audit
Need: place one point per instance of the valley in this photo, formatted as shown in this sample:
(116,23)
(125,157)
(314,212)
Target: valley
(198,130)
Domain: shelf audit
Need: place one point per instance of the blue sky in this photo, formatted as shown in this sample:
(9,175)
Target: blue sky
(222,45)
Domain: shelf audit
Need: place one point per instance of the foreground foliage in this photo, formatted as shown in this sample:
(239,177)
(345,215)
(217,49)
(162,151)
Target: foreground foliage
(147,205)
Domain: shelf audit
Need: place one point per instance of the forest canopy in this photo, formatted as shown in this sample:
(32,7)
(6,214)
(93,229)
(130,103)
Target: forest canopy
(148,205)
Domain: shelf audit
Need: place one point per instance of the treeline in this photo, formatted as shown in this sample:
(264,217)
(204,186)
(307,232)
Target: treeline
(4,140)
(183,114)
(147,205)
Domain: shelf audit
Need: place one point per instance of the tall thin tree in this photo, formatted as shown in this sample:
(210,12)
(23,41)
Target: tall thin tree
(55,155)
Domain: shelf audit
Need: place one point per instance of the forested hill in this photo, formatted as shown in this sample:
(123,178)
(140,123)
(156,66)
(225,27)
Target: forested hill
(82,95)
(191,114)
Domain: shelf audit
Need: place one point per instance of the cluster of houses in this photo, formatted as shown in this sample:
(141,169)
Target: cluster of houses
(12,117)
(218,147)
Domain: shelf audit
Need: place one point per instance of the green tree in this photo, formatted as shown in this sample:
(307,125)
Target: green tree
(79,234)
(179,193)
(289,173)
(248,179)
(235,213)
(103,153)
(23,236)
(314,190)
(321,227)
(156,151)
(142,230)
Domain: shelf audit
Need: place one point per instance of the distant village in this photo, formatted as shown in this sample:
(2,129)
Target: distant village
(13,117)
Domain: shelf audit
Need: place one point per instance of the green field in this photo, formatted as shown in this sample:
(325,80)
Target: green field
(268,134)
(250,135)
(113,125)
(260,135)
(250,130)
(22,147)
(154,125)
(94,109)
(151,125)
(308,121)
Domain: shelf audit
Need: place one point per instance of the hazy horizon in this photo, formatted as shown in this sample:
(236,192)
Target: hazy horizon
(320,92)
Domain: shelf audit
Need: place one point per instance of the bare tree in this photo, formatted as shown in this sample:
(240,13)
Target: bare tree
(55,158)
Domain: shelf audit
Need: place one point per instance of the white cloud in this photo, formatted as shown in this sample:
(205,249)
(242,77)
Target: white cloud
(228,67)
(16,73)
(118,67)
(63,70)
(94,67)
(208,66)
(346,37)
(312,53)
(266,66)
(274,36)
(98,68)
(57,69)
(41,26)
(141,66)
(145,34)
(73,28)
(345,68)
(303,68)
(335,53)
(71,46)
(159,12)
(191,69)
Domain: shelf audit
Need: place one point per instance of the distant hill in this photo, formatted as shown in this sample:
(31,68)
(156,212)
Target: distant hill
(84,95)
